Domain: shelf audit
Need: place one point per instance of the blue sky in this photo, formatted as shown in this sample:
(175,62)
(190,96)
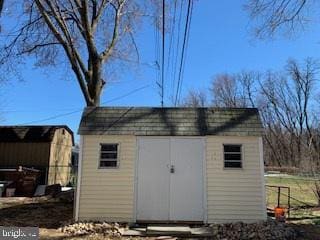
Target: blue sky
(220,41)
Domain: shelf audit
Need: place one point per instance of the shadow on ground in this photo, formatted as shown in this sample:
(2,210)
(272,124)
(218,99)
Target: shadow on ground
(307,231)
(50,215)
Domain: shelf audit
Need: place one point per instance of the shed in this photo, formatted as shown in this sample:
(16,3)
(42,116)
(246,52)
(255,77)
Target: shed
(46,148)
(142,164)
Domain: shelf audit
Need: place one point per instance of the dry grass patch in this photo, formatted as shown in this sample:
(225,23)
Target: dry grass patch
(301,190)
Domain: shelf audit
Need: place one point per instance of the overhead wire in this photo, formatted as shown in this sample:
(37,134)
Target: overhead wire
(186,31)
(163,50)
(157,51)
(186,52)
(174,71)
(79,110)
(171,50)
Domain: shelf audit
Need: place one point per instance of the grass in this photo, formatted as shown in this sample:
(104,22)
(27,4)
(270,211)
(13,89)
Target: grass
(301,191)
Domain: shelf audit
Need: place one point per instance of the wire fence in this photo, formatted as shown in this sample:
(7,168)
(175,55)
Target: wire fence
(294,192)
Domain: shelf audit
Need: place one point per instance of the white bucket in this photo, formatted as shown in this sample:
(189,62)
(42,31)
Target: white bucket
(10,192)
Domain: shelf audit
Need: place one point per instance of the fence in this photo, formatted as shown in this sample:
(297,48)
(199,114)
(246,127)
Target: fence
(295,193)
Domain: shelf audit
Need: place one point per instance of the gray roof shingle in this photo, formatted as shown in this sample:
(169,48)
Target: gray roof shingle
(147,121)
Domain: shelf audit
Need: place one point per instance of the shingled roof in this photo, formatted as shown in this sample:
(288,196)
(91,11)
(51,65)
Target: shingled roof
(29,133)
(146,121)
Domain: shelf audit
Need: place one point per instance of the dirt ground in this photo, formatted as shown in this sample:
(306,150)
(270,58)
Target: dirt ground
(49,215)
(46,214)
(308,231)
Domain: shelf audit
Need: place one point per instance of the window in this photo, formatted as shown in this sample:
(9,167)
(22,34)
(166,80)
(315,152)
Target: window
(232,156)
(108,156)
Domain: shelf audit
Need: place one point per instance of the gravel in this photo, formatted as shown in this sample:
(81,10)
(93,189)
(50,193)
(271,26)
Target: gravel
(88,228)
(264,230)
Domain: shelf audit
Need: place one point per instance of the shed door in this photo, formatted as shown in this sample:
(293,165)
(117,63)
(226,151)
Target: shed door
(153,179)
(170,179)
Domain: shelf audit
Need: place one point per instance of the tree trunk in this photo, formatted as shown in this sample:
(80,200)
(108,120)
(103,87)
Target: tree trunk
(96,83)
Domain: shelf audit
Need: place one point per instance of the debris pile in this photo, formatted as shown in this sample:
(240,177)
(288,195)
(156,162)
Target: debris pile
(266,230)
(87,228)
(20,182)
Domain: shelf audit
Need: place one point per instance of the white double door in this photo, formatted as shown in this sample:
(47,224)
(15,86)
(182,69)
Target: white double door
(170,179)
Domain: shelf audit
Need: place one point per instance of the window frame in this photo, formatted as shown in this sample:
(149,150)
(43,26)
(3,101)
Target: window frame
(241,156)
(105,160)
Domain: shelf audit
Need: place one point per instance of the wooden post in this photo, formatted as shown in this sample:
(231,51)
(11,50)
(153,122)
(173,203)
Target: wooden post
(289,202)
(55,172)
(279,191)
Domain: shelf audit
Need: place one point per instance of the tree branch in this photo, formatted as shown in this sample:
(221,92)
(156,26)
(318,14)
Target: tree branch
(87,27)
(98,14)
(70,56)
(107,52)
(30,50)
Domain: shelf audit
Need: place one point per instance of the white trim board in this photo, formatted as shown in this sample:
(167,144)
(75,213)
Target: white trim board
(263,184)
(77,200)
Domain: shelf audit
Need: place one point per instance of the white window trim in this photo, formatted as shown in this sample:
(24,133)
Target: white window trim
(109,159)
(241,154)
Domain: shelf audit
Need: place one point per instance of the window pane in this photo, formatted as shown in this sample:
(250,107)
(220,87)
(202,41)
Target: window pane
(109,147)
(230,156)
(108,155)
(232,148)
(232,164)
(108,163)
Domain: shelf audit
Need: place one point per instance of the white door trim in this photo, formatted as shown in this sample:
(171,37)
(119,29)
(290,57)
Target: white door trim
(135,187)
(205,189)
(204,164)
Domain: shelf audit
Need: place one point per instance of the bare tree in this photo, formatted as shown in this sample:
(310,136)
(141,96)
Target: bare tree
(287,103)
(235,90)
(195,99)
(287,113)
(224,91)
(89,34)
(286,16)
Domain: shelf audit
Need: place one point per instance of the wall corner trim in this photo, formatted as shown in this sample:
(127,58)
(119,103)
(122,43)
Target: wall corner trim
(77,193)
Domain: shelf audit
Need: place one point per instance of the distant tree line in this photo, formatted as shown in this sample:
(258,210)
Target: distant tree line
(289,105)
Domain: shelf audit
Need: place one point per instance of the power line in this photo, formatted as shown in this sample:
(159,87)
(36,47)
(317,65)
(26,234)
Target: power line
(174,70)
(163,49)
(186,52)
(157,52)
(172,32)
(183,50)
(171,51)
(80,110)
